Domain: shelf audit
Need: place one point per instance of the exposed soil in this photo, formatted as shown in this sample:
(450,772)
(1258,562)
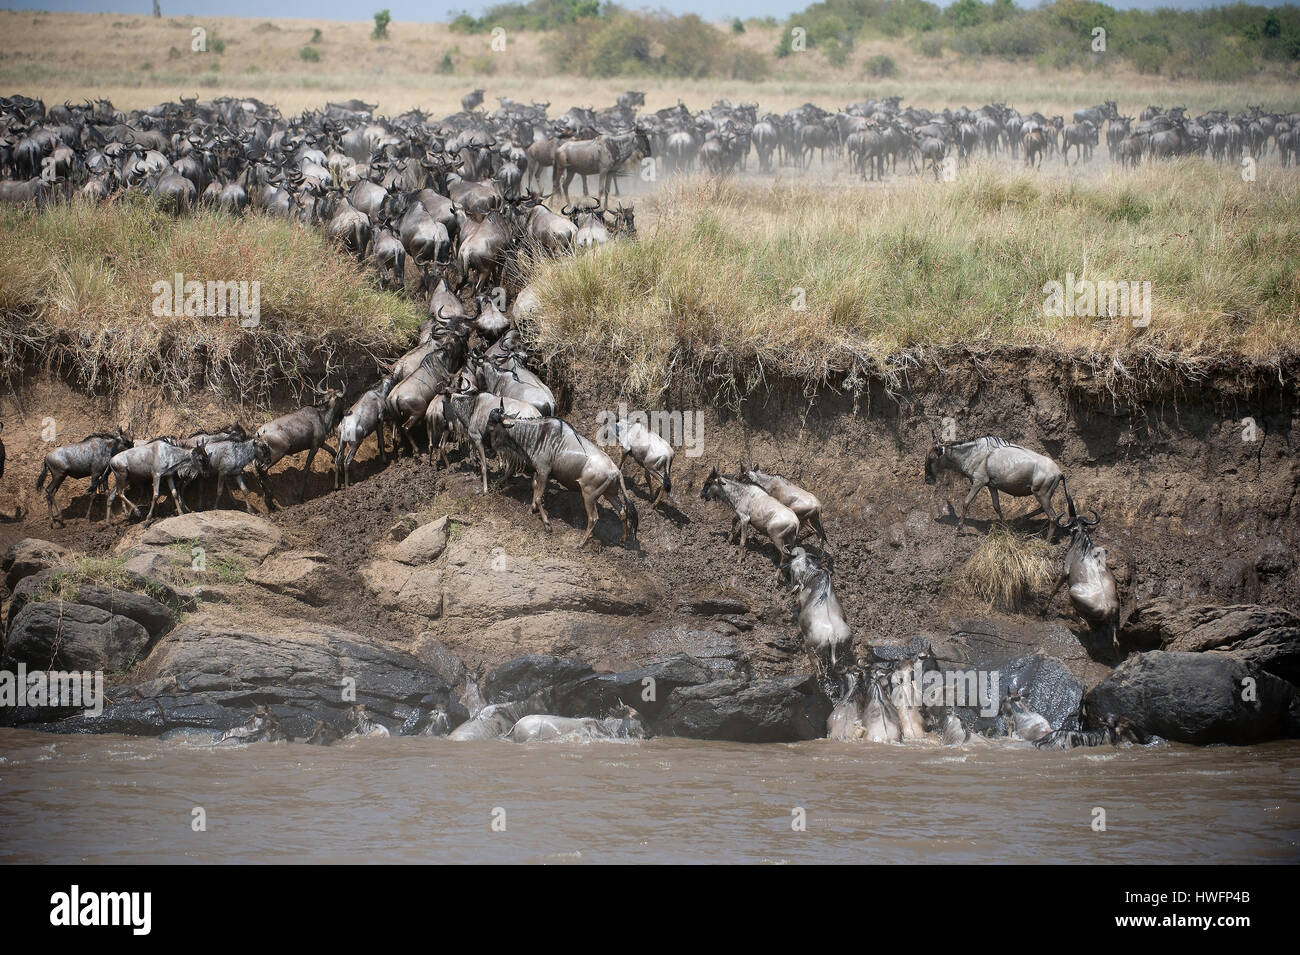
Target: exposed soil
(1190,508)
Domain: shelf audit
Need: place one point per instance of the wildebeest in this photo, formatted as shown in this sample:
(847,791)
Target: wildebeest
(1025,723)
(827,636)
(89,457)
(468,414)
(553,448)
(1093,594)
(155,461)
(804,504)
(303,430)
(366,416)
(229,459)
(651,451)
(1002,466)
(752,507)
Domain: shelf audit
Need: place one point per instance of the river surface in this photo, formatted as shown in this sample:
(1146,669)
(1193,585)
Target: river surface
(117,799)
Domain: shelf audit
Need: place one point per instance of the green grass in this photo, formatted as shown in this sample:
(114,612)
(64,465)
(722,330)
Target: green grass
(890,273)
(76,292)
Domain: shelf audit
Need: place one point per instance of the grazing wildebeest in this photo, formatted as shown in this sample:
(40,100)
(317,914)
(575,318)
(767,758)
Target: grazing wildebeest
(753,506)
(155,461)
(87,458)
(1093,594)
(553,448)
(1002,466)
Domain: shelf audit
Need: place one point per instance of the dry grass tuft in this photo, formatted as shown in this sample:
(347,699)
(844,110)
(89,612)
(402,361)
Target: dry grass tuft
(1006,568)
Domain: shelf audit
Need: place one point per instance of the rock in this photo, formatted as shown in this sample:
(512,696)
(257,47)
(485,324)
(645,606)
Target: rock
(646,689)
(783,709)
(401,587)
(300,574)
(1266,638)
(540,677)
(435,655)
(711,603)
(29,556)
(403,527)
(219,533)
(153,565)
(212,674)
(1194,698)
(424,545)
(57,635)
(154,616)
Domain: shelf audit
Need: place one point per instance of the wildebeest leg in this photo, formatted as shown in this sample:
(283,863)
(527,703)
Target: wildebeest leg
(744,536)
(176,496)
(997,505)
(1060,579)
(379,439)
(243,489)
(221,484)
(976,486)
(539,493)
(482,461)
(1045,502)
(306,473)
(589,497)
(157,480)
(49,499)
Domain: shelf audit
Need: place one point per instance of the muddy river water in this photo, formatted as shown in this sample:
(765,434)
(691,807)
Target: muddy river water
(117,799)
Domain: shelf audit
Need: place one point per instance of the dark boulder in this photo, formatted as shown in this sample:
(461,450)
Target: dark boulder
(1195,698)
(782,709)
(58,635)
(1266,638)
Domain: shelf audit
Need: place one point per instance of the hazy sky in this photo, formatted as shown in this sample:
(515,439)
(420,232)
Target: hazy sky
(424,11)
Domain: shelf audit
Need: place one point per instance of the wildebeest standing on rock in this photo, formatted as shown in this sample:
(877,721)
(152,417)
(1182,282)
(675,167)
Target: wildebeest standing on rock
(827,636)
(155,461)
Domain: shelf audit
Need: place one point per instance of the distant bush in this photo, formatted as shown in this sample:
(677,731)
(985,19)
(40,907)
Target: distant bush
(310,54)
(382,19)
(930,44)
(628,44)
(881,66)
(737,25)
(315,36)
(446,64)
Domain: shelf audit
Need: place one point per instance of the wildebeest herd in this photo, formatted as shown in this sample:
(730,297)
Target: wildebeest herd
(459,197)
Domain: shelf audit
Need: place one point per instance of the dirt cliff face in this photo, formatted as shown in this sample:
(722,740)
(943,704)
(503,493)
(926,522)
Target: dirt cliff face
(1194,480)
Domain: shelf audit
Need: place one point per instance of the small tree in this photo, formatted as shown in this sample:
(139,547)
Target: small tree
(737,25)
(382,19)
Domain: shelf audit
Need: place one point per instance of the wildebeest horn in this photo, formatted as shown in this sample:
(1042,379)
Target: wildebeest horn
(1096,519)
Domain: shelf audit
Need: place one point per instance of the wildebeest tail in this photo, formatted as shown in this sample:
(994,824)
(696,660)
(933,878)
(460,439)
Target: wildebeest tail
(629,508)
(815,521)
(40,478)
(668,478)
(1069,501)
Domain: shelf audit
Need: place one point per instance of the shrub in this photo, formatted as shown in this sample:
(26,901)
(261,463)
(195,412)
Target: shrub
(382,19)
(315,36)
(737,25)
(931,44)
(882,66)
(310,54)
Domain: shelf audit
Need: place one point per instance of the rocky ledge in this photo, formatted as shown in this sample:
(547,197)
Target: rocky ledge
(183,649)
